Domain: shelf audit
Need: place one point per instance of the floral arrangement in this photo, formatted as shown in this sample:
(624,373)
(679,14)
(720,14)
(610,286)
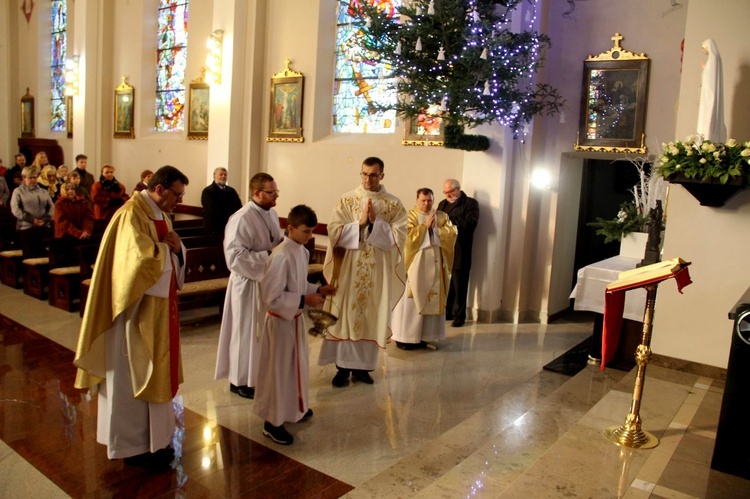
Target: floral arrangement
(706,160)
(635,215)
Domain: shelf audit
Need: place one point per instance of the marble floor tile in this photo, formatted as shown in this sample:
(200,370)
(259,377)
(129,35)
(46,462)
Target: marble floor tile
(475,418)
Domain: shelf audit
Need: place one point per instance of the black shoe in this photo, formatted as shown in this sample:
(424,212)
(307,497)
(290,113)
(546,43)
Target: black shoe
(307,416)
(153,461)
(247,392)
(421,344)
(458,322)
(405,346)
(277,433)
(363,376)
(341,379)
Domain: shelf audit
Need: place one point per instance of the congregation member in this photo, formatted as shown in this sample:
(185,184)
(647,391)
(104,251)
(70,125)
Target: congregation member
(145,177)
(219,202)
(463,212)
(129,345)
(31,204)
(62,176)
(282,390)
(75,179)
(40,161)
(73,216)
(4,192)
(19,164)
(428,252)
(107,194)
(250,235)
(366,232)
(87,179)
(48,180)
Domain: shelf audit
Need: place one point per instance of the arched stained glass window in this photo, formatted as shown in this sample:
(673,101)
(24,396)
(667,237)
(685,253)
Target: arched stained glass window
(171,57)
(359,79)
(58,51)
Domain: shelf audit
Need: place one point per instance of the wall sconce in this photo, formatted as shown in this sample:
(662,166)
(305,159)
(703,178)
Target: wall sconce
(71,75)
(213,58)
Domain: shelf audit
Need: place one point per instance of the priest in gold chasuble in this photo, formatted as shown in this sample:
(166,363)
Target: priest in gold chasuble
(128,349)
(430,237)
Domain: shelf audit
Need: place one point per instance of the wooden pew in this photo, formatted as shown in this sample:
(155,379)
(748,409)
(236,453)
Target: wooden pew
(35,260)
(65,271)
(206,273)
(206,278)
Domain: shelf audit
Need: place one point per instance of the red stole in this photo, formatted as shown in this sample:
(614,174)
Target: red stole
(174,321)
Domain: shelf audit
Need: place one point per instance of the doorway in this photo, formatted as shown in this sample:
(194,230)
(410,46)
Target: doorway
(605,186)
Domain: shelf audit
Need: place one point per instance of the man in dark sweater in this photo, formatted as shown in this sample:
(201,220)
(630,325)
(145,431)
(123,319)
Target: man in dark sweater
(219,202)
(87,179)
(463,212)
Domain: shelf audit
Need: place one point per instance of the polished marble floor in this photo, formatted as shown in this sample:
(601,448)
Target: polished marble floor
(477,417)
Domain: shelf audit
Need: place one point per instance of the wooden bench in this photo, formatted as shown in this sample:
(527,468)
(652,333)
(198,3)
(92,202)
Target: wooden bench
(65,271)
(206,278)
(206,274)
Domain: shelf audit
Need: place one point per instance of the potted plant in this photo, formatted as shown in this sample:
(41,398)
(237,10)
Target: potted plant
(631,224)
(711,171)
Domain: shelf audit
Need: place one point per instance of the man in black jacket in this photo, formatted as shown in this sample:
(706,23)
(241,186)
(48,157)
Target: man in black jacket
(463,212)
(219,202)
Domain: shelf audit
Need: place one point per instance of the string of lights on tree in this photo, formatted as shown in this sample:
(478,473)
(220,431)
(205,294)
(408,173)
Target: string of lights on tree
(460,60)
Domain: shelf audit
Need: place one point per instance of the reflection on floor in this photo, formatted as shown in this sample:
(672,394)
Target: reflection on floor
(477,417)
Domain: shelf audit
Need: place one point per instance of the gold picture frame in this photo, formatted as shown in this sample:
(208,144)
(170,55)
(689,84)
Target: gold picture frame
(613,102)
(425,129)
(285,116)
(124,111)
(199,100)
(27,115)
(69,116)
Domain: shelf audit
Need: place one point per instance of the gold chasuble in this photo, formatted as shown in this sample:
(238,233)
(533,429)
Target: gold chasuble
(429,267)
(131,260)
(370,278)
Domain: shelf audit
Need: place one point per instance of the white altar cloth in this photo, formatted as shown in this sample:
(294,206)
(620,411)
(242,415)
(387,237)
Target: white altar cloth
(593,280)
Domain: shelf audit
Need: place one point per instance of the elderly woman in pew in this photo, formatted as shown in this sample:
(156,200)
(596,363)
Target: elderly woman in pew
(73,215)
(48,180)
(31,204)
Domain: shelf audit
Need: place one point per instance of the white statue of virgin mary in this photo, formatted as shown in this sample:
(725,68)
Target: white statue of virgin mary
(711,105)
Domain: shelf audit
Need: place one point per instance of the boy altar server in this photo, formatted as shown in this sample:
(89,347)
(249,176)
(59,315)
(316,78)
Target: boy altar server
(281,393)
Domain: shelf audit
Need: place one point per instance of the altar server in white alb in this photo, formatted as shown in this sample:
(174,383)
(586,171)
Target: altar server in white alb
(250,235)
(366,233)
(129,344)
(281,395)
(430,237)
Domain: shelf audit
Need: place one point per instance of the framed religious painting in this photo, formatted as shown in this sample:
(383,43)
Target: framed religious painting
(613,102)
(124,111)
(285,116)
(27,115)
(199,99)
(425,129)
(69,116)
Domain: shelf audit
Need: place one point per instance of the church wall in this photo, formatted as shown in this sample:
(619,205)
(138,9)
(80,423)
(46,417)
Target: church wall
(651,27)
(319,170)
(694,326)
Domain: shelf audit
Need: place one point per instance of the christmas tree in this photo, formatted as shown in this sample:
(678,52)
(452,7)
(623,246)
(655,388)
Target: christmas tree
(457,59)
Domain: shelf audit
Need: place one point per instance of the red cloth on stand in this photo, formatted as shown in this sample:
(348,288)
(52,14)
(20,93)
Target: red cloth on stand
(614,305)
(174,321)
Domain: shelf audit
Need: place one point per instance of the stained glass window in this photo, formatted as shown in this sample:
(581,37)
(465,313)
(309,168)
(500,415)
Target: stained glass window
(171,61)
(361,79)
(58,53)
